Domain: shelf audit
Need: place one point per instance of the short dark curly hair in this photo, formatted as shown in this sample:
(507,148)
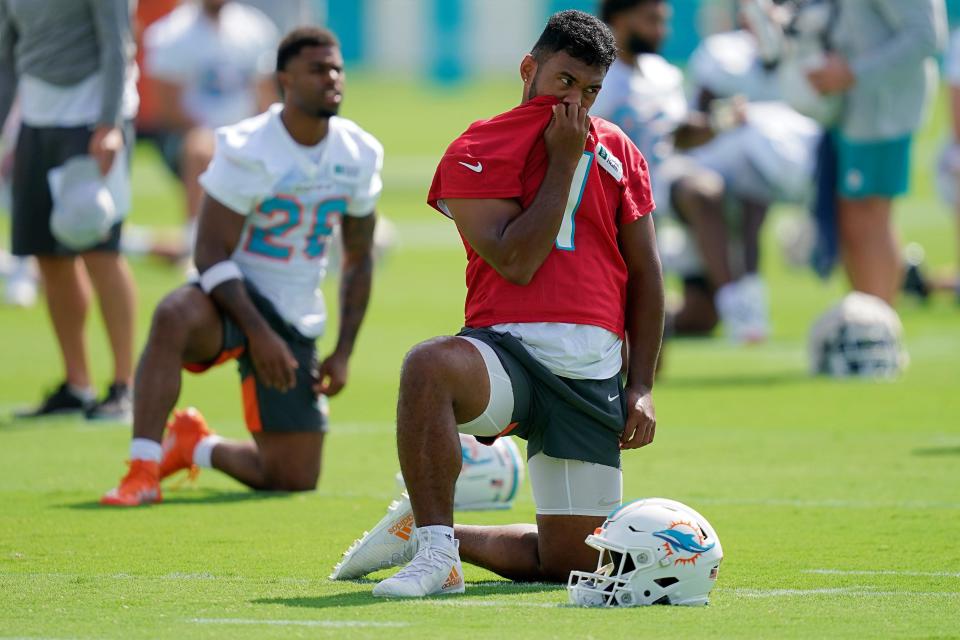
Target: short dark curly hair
(580,35)
(301,38)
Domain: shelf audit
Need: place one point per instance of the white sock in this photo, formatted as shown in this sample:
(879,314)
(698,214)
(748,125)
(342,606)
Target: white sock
(143,449)
(84,393)
(440,533)
(204,451)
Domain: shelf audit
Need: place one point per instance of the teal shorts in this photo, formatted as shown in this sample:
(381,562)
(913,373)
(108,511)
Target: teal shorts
(873,169)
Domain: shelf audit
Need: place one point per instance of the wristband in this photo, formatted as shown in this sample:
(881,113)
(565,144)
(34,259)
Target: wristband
(218,274)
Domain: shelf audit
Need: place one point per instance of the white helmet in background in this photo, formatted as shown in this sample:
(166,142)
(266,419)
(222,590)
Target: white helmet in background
(490,476)
(859,337)
(652,551)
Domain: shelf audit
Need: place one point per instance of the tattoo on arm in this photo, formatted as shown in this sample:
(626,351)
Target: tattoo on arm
(218,233)
(357,277)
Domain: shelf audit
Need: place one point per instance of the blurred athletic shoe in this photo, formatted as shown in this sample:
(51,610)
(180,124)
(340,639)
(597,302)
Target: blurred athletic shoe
(742,306)
(21,286)
(914,281)
(117,406)
(63,400)
(140,486)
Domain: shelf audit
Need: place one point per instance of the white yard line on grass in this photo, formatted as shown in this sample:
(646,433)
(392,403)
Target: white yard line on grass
(330,624)
(469,602)
(32,638)
(858,591)
(828,503)
(884,572)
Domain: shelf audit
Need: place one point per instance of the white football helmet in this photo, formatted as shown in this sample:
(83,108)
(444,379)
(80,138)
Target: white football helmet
(652,551)
(490,476)
(859,337)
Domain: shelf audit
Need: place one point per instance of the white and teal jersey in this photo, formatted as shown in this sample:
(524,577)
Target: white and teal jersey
(293,198)
(647,102)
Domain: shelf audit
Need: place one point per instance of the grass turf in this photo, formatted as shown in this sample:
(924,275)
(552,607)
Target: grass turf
(837,503)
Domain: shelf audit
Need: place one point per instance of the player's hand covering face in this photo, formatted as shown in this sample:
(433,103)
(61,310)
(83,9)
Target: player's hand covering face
(566,134)
(562,76)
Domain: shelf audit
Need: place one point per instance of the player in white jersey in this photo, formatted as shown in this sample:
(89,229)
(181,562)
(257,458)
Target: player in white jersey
(644,95)
(210,64)
(278,188)
(948,173)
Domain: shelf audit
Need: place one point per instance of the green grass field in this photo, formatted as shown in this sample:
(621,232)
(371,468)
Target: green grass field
(838,503)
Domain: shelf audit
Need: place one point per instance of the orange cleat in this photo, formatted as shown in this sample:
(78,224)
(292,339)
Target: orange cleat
(140,486)
(184,431)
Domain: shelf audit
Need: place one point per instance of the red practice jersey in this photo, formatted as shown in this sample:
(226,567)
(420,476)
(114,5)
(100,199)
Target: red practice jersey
(584,278)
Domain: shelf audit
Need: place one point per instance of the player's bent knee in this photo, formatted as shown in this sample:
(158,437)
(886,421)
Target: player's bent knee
(294,477)
(430,361)
(199,145)
(178,313)
(691,194)
(168,321)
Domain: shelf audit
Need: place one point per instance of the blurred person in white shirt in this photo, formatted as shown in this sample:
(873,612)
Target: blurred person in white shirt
(210,63)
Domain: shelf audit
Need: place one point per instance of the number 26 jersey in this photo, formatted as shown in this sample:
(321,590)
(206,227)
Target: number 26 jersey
(293,198)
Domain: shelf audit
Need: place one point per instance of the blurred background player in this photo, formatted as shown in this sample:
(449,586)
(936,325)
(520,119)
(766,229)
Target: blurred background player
(644,95)
(279,187)
(18,272)
(766,158)
(883,64)
(209,63)
(72,64)
(287,14)
(533,363)
(949,166)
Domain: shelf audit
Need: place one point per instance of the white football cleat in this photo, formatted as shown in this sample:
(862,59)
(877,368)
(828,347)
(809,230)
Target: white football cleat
(391,543)
(753,293)
(742,307)
(434,570)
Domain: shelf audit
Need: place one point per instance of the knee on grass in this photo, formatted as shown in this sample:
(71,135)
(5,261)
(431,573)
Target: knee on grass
(292,480)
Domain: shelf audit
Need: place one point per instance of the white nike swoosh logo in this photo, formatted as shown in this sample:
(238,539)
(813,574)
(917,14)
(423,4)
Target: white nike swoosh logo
(477,168)
(612,398)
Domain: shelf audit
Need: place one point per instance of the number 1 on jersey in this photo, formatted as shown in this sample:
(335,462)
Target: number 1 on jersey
(565,240)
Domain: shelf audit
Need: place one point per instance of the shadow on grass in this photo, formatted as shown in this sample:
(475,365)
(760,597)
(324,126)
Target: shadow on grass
(354,599)
(937,451)
(735,380)
(199,497)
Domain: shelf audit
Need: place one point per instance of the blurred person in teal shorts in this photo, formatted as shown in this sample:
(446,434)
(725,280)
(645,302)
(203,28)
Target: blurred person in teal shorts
(882,60)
